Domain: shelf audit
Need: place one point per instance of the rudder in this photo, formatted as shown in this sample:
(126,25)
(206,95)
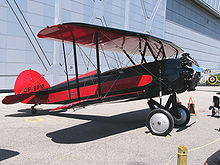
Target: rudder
(30,81)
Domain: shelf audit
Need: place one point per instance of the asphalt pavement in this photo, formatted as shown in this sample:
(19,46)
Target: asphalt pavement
(105,134)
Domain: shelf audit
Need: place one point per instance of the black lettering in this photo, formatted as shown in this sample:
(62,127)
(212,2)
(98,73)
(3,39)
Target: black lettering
(29,88)
(25,90)
(42,86)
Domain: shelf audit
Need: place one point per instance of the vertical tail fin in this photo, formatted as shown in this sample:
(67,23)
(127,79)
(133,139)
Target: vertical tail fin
(30,81)
(27,82)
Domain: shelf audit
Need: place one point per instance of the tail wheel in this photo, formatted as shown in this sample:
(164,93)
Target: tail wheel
(184,116)
(160,122)
(213,112)
(33,110)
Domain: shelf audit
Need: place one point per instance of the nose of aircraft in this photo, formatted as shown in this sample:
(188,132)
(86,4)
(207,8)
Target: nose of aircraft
(194,73)
(195,80)
(197,74)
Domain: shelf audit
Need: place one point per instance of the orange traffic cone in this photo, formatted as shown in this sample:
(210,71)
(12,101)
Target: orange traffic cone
(191,107)
(178,101)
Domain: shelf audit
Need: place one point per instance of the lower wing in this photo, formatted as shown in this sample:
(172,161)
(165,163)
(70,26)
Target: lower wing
(12,99)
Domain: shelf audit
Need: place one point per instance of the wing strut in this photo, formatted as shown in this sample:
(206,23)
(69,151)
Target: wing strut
(158,54)
(67,77)
(76,67)
(129,57)
(98,65)
(143,53)
(152,52)
(162,47)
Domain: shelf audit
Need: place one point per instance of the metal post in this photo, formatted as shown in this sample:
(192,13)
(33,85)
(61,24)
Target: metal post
(127,10)
(57,47)
(67,77)
(76,68)
(182,155)
(160,79)
(98,65)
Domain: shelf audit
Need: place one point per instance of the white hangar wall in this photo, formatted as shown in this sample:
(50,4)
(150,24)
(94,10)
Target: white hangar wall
(181,21)
(195,29)
(17,54)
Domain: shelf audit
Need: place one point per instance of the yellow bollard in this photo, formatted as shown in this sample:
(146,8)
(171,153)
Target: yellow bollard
(182,155)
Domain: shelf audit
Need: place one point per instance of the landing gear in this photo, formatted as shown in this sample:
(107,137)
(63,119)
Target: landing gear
(184,118)
(33,109)
(161,119)
(160,122)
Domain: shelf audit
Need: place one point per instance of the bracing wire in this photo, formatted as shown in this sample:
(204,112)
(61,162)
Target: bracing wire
(112,85)
(32,33)
(137,61)
(27,35)
(105,57)
(116,59)
(68,58)
(84,61)
(87,56)
(93,39)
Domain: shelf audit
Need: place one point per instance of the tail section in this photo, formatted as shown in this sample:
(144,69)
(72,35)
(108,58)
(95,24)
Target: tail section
(30,81)
(27,82)
(12,99)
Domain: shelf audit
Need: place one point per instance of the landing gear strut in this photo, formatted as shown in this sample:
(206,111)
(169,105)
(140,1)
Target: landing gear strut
(33,109)
(162,119)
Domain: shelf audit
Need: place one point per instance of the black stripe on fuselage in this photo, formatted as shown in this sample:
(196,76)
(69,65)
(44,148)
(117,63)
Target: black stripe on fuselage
(112,75)
(128,93)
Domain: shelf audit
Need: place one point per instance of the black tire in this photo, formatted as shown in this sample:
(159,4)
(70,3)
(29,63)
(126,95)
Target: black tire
(160,122)
(185,116)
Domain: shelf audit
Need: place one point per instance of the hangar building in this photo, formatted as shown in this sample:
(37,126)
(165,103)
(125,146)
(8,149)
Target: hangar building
(191,24)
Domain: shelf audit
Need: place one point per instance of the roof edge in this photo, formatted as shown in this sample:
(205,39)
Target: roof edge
(208,8)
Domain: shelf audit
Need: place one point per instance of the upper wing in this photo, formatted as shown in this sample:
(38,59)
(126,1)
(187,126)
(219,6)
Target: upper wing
(110,39)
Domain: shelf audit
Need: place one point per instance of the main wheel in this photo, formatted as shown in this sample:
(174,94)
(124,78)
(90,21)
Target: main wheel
(184,118)
(160,122)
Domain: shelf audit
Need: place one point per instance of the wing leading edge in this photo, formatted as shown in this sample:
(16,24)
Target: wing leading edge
(110,39)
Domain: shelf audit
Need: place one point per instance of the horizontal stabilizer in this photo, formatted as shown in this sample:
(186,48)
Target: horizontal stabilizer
(12,99)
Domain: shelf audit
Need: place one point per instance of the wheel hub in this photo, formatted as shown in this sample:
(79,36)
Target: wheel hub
(159,123)
(182,117)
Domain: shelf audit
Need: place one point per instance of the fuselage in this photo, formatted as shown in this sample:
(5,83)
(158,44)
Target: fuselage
(139,81)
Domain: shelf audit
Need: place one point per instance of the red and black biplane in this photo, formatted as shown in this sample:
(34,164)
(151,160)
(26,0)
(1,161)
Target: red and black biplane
(167,74)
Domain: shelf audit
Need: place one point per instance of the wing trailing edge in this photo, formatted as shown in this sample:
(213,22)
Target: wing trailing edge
(12,99)
(75,104)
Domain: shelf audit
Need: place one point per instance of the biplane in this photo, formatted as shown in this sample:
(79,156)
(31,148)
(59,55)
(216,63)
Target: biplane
(170,72)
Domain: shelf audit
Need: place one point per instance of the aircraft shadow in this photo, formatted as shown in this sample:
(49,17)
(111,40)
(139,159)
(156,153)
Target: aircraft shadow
(98,126)
(179,129)
(6,154)
(214,116)
(27,113)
